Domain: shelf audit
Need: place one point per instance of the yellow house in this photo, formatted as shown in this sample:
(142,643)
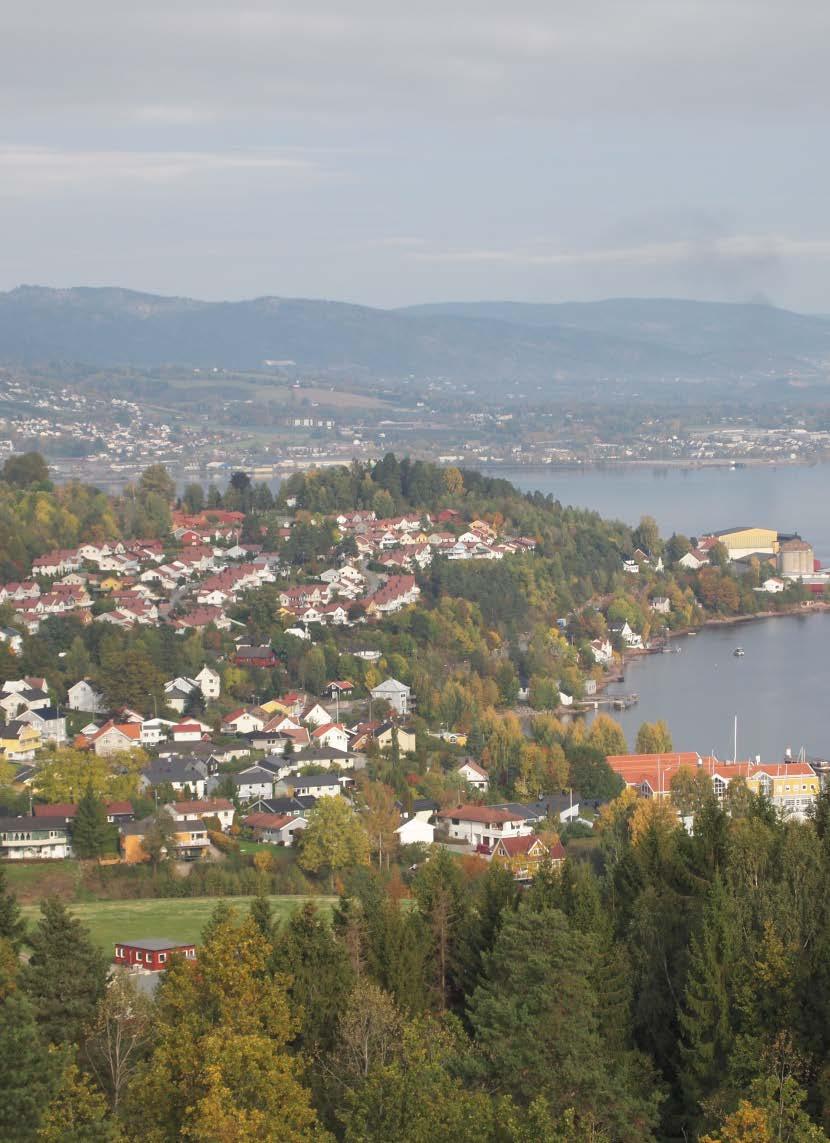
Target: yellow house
(274,706)
(110,583)
(189,844)
(740,542)
(19,741)
(792,787)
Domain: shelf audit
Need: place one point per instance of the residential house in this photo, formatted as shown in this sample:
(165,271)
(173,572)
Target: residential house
(524,855)
(34,838)
(115,738)
(19,741)
(183,775)
(12,639)
(482,825)
(275,829)
(263,657)
(473,774)
(252,783)
(244,720)
(86,697)
(198,809)
(414,831)
(49,721)
(315,714)
(312,785)
(190,842)
(210,683)
(338,688)
(331,734)
(627,635)
(397,695)
(661,604)
(117,812)
(602,651)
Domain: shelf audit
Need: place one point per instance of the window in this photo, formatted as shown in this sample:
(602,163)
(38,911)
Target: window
(139,955)
(119,950)
(162,958)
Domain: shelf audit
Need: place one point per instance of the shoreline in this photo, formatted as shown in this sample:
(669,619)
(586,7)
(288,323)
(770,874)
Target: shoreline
(680,465)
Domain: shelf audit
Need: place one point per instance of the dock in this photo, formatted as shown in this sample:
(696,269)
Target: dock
(615,702)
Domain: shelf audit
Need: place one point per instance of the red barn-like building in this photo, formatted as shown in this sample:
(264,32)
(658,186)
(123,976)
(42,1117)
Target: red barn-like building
(152,953)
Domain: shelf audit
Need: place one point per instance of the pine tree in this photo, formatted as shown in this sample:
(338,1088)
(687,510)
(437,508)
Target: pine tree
(706,1018)
(12,925)
(263,915)
(66,975)
(92,834)
(321,975)
(29,1070)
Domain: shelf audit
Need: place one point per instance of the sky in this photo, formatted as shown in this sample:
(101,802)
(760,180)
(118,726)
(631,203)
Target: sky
(391,153)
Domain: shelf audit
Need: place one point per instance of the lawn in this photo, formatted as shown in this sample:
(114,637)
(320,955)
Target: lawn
(177,918)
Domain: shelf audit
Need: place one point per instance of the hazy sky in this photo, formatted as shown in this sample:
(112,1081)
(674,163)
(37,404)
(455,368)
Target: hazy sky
(387,153)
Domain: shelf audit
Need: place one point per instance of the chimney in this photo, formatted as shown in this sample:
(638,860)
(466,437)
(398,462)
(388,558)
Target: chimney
(788,755)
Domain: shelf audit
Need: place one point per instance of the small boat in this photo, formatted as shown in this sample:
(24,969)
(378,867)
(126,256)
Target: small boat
(739,651)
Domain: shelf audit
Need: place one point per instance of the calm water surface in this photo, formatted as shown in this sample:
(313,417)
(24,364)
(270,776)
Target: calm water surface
(694,501)
(780,689)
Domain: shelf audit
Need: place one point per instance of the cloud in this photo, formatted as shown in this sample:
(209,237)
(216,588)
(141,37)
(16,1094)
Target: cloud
(737,248)
(560,60)
(28,170)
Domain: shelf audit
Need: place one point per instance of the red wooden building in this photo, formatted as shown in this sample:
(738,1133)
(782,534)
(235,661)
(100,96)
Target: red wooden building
(152,953)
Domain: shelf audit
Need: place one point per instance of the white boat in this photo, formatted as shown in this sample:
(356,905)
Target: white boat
(739,651)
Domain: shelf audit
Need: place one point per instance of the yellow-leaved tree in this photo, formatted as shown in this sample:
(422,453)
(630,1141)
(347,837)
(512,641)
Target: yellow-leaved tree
(220,1071)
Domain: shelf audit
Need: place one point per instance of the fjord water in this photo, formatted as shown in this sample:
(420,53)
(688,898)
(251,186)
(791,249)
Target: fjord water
(790,498)
(779,689)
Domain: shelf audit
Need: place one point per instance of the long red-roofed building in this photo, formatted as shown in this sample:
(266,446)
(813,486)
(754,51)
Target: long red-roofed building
(792,787)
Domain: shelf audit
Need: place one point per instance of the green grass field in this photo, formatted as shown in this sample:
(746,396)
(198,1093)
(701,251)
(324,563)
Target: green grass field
(178,918)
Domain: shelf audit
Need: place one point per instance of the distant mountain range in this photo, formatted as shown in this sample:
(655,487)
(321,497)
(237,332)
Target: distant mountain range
(483,343)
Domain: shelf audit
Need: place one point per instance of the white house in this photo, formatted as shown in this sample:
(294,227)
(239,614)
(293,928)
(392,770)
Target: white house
(415,832)
(661,604)
(209,682)
(316,714)
(483,825)
(154,730)
(330,735)
(315,785)
(473,774)
(275,829)
(254,783)
(772,585)
(628,635)
(602,650)
(84,696)
(398,695)
(242,722)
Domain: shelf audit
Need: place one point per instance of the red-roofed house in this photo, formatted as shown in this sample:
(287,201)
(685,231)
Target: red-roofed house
(524,855)
(473,774)
(276,829)
(115,737)
(483,825)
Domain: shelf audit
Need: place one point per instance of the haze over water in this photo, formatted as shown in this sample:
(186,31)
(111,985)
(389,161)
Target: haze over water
(779,689)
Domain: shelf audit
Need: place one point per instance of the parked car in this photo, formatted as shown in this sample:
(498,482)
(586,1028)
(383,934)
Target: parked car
(483,848)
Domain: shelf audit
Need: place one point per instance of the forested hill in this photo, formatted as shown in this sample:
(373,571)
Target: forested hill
(483,343)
